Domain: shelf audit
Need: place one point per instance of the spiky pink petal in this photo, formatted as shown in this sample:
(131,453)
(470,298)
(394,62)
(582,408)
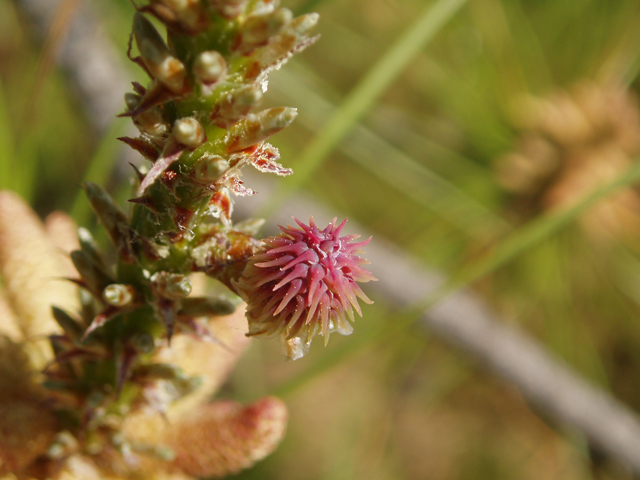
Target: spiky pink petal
(303,282)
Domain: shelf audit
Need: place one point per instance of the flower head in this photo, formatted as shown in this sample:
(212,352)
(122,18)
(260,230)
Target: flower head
(304,282)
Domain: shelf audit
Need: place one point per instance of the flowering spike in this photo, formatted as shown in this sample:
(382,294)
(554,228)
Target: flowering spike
(198,129)
(319,270)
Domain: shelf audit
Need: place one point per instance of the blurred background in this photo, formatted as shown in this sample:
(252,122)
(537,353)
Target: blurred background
(509,111)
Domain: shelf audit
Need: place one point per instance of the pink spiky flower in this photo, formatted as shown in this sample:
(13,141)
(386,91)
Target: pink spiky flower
(303,282)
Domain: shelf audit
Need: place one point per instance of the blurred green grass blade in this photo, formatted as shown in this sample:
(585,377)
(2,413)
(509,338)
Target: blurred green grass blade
(528,236)
(100,166)
(508,249)
(409,176)
(529,48)
(425,187)
(364,95)
(25,166)
(18,161)
(7,152)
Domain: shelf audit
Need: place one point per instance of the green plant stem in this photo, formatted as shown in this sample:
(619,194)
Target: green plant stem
(364,95)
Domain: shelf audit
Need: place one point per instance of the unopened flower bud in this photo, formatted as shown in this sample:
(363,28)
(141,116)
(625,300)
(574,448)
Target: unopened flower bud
(151,122)
(237,104)
(258,127)
(209,169)
(171,285)
(187,15)
(259,28)
(302,24)
(156,56)
(229,8)
(119,295)
(189,131)
(209,67)
(142,342)
(280,48)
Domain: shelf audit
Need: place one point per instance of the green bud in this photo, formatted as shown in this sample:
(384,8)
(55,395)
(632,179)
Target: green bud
(209,67)
(189,132)
(119,295)
(258,127)
(171,285)
(237,104)
(143,342)
(259,28)
(282,47)
(152,122)
(302,24)
(209,169)
(156,56)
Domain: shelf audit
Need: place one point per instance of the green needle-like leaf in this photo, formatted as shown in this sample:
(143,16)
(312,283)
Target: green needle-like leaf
(98,169)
